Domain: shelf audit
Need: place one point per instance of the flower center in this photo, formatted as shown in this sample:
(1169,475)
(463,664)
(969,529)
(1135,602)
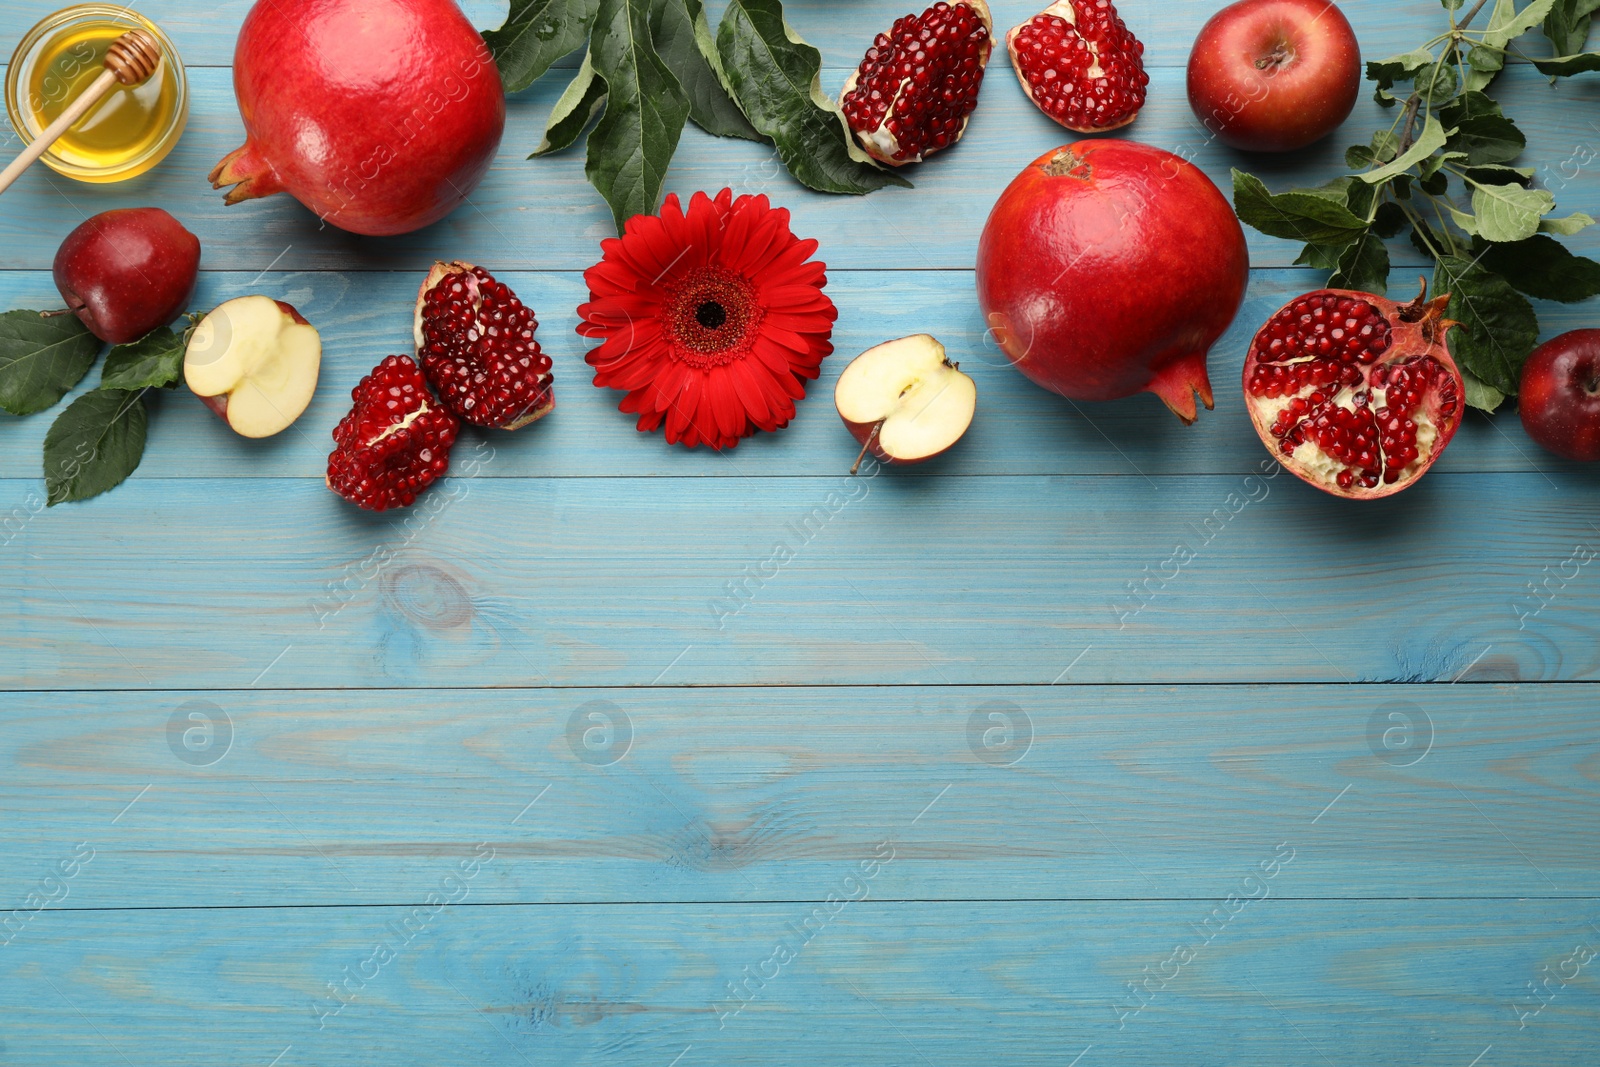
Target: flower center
(712,317)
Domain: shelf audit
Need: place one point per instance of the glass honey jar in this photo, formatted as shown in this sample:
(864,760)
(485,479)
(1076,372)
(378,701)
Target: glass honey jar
(130,130)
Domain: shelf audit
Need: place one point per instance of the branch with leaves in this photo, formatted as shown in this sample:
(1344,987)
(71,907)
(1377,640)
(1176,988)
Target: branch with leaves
(652,66)
(98,440)
(1444,172)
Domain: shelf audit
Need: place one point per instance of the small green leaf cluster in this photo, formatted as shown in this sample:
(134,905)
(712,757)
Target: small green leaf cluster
(98,440)
(1444,171)
(652,66)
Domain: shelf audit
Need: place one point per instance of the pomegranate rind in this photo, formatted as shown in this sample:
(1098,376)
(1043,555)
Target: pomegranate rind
(867,138)
(1421,333)
(1064,9)
(1090,282)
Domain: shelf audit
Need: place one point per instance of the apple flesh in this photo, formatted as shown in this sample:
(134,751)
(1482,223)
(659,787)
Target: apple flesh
(904,401)
(1274,75)
(127,272)
(1560,396)
(254,361)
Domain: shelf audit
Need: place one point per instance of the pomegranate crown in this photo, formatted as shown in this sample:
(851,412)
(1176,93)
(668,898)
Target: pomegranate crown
(1429,315)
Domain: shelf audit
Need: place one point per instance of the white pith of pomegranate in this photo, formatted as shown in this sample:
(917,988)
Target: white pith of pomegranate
(1081,65)
(1355,394)
(914,92)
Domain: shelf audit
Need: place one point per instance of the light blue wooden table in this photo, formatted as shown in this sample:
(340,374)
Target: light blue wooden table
(495,782)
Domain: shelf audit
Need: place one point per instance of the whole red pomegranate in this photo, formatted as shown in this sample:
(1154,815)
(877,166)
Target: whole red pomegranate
(1355,394)
(1109,268)
(378,115)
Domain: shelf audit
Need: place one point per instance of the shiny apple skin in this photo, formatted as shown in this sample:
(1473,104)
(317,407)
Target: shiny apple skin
(1087,273)
(396,107)
(1285,107)
(1560,397)
(127,271)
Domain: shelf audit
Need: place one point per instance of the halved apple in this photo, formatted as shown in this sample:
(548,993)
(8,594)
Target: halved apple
(254,361)
(904,401)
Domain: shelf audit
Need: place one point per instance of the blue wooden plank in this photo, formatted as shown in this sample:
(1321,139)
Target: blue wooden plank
(1287,983)
(1020,429)
(647,796)
(205,36)
(577,581)
(542,214)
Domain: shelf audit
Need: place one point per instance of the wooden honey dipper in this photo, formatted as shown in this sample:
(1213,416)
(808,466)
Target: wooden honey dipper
(131,59)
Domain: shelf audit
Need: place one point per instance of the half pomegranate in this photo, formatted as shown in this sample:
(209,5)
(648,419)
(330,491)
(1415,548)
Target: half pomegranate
(917,86)
(395,441)
(1081,65)
(1355,394)
(475,342)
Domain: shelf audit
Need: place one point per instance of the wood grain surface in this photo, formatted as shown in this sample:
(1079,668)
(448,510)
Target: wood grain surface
(610,752)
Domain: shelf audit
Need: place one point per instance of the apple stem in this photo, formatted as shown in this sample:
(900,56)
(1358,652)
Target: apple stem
(871,437)
(55,314)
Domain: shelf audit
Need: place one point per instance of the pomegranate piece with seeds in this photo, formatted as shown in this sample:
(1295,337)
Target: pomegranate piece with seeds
(1355,394)
(394,442)
(475,342)
(1079,63)
(917,86)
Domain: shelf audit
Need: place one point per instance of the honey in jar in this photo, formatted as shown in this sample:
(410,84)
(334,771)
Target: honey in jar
(132,127)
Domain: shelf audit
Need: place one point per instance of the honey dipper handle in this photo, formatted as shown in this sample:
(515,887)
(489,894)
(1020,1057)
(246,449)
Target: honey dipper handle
(131,59)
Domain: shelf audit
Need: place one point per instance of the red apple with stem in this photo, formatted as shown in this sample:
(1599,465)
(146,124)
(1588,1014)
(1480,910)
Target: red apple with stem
(1274,75)
(127,271)
(1560,397)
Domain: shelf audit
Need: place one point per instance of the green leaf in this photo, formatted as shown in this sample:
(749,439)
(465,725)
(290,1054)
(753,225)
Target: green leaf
(1481,130)
(1434,184)
(1510,212)
(684,42)
(1495,174)
(1485,60)
(1429,141)
(1480,396)
(1567,25)
(1452,5)
(776,78)
(1463,219)
(1398,68)
(1562,66)
(1436,83)
(94,444)
(1498,325)
(154,361)
(1299,215)
(1389,219)
(1363,266)
(1322,257)
(645,112)
(1542,268)
(1507,23)
(1568,226)
(585,95)
(42,359)
(535,34)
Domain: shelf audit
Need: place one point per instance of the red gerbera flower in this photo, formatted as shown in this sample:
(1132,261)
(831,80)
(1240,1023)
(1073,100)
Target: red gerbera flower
(711,321)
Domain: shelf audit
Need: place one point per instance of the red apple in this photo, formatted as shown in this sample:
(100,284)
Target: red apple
(904,401)
(254,361)
(1274,75)
(1560,398)
(128,271)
